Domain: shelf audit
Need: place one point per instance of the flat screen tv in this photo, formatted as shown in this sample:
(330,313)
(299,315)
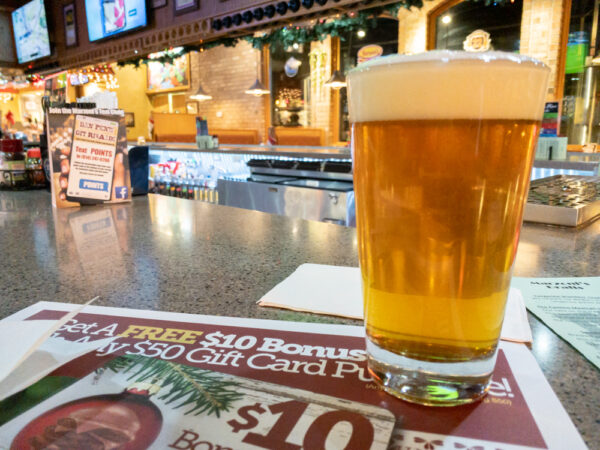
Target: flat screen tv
(110,17)
(31,31)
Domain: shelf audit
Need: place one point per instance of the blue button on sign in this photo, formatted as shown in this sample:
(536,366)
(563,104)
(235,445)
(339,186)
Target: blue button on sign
(93,185)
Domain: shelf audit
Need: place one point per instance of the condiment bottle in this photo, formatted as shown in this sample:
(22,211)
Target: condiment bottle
(33,166)
(12,165)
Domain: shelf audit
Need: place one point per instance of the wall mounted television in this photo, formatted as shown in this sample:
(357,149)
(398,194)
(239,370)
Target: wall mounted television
(107,18)
(31,31)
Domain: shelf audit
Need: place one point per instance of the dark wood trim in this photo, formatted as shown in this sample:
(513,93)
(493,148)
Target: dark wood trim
(334,109)
(265,62)
(178,30)
(559,85)
(431,19)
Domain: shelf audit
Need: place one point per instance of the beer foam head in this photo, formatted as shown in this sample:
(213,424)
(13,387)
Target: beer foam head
(445,84)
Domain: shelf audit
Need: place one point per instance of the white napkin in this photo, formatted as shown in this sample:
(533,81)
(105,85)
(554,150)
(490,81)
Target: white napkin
(20,339)
(337,291)
(320,289)
(516,326)
(53,353)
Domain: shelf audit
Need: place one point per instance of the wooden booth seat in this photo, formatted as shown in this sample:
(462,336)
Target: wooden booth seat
(231,136)
(182,128)
(300,136)
(587,148)
(175,137)
(225,137)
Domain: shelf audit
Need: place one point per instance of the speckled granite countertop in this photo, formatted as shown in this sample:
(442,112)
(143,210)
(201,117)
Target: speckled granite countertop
(179,255)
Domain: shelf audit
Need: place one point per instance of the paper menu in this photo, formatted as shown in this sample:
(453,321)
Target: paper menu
(570,307)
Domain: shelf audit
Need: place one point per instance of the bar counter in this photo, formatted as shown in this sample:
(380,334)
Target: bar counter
(170,254)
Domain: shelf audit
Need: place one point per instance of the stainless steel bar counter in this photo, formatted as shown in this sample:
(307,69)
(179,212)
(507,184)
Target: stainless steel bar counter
(170,254)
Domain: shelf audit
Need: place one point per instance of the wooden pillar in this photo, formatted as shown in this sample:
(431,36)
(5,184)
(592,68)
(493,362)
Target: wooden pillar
(562,55)
(334,110)
(265,61)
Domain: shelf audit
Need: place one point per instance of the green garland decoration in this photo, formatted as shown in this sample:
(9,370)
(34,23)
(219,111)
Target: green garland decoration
(339,27)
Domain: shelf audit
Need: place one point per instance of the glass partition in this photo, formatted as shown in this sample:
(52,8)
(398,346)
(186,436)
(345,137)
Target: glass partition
(501,21)
(290,78)
(579,118)
(385,35)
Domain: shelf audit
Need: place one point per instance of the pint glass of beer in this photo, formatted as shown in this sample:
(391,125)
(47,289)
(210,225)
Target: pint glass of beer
(443,144)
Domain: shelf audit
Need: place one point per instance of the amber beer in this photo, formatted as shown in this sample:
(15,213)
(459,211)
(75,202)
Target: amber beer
(443,145)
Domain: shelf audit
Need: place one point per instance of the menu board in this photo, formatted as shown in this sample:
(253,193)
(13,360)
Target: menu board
(171,380)
(88,154)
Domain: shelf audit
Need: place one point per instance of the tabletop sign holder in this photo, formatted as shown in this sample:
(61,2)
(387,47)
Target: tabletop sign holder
(88,156)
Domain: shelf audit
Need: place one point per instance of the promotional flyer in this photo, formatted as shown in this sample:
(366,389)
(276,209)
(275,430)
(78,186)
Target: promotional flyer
(88,154)
(180,381)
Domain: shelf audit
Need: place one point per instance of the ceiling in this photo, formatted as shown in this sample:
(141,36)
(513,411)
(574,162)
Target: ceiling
(12,4)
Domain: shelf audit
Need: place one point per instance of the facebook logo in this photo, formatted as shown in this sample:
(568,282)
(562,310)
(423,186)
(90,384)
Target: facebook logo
(121,192)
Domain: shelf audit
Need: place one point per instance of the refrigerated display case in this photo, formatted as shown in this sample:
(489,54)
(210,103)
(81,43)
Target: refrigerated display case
(311,183)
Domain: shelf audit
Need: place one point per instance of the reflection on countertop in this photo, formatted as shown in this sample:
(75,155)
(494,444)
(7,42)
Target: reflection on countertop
(91,241)
(157,253)
(170,254)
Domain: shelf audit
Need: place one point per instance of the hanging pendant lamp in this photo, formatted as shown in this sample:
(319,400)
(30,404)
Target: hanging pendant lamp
(337,80)
(257,89)
(201,95)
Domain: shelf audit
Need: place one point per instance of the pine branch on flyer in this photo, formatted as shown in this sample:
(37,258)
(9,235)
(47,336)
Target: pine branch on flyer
(205,391)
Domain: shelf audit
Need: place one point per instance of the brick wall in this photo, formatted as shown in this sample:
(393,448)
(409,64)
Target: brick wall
(225,73)
(540,33)
(412,28)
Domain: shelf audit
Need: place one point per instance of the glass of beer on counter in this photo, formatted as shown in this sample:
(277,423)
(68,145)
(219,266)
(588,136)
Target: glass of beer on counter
(443,144)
